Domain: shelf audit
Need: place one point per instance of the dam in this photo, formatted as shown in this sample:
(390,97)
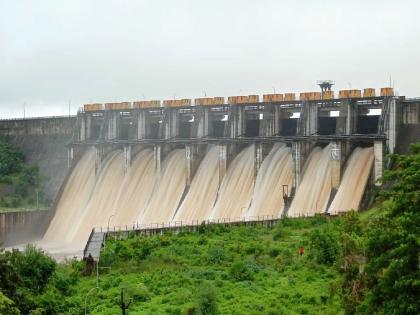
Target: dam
(152,162)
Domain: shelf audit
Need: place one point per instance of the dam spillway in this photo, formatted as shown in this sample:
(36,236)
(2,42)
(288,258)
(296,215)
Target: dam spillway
(122,156)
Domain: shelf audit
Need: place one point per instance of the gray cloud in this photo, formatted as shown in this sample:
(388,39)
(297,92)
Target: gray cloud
(55,51)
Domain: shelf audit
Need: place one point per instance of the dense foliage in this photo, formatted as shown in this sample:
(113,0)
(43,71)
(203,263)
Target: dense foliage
(19,182)
(11,159)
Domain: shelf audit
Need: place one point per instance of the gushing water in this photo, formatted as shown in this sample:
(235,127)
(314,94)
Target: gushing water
(353,184)
(168,191)
(200,199)
(71,205)
(275,171)
(236,189)
(102,204)
(314,191)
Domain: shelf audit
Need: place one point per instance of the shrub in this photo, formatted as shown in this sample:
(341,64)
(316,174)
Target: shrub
(11,159)
(274,252)
(216,255)
(207,304)
(324,246)
(240,271)
(7,306)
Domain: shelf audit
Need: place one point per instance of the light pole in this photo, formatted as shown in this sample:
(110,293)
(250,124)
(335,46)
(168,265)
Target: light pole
(107,229)
(94,288)
(109,219)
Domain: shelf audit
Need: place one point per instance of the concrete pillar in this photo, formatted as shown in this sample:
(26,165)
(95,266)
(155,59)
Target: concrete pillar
(141,125)
(297,163)
(203,126)
(222,161)
(189,160)
(112,126)
(157,152)
(127,158)
(335,164)
(174,124)
(277,120)
(351,117)
(237,119)
(82,136)
(378,163)
(392,124)
(88,127)
(313,119)
(259,156)
(70,156)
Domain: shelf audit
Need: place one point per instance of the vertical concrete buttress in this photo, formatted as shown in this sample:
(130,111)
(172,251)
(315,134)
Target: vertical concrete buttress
(112,125)
(127,158)
(335,164)
(297,163)
(277,115)
(157,154)
(203,126)
(70,156)
(82,134)
(222,161)
(189,160)
(259,156)
(88,134)
(392,124)
(141,125)
(313,119)
(378,163)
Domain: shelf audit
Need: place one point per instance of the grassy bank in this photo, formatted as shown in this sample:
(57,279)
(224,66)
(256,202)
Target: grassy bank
(248,269)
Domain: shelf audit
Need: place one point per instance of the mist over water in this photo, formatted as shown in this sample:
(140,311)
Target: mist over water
(236,189)
(353,184)
(275,171)
(314,190)
(200,199)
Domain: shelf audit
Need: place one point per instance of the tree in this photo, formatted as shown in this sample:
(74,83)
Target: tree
(7,306)
(393,242)
(11,159)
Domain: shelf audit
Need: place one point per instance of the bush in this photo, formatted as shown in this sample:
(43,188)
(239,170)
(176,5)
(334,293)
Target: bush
(274,252)
(7,306)
(240,271)
(11,159)
(216,255)
(324,246)
(207,304)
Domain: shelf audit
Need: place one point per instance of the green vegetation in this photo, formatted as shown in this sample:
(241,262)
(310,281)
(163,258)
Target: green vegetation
(356,264)
(19,182)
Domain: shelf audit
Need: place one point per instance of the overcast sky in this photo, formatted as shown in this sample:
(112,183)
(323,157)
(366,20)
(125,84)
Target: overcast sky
(53,52)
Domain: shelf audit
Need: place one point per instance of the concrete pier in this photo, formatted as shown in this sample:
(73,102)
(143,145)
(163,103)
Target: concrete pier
(335,164)
(223,161)
(378,162)
(193,156)
(127,158)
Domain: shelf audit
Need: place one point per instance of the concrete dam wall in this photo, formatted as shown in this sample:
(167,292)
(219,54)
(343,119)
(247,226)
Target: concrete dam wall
(43,141)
